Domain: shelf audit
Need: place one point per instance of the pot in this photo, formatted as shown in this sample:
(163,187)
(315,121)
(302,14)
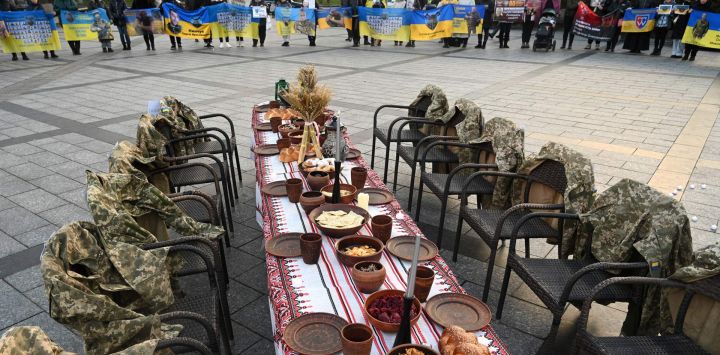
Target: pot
(309,200)
(368,281)
(318,179)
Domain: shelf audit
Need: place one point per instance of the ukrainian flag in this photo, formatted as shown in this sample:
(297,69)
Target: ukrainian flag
(28,31)
(639,20)
(703,29)
(294,20)
(334,17)
(230,20)
(187,24)
(77,24)
(432,24)
(468,19)
(388,24)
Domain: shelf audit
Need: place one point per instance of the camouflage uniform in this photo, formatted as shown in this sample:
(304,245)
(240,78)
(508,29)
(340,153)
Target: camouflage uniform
(508,145)
(436,110)
(470,128)
(102,288)
(632,217)
(178,119)
(705,263)
(29,340)
(578,194)
(127,158)
(117,201)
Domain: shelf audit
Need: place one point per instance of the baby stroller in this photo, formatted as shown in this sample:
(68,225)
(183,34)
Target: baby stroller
(546,31)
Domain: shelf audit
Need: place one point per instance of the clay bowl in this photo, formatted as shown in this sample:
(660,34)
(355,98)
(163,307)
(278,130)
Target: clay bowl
(309,200)
(339,232)
(343,187)
(286,129)
(358,240)
(295,137)
(317,180)
(368,281)
(401,349)
(306,173)
(384,326)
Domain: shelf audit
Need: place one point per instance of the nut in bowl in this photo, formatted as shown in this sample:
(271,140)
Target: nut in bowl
(347,193)
(353,249)
(339,220)
(384,310)
(368,276)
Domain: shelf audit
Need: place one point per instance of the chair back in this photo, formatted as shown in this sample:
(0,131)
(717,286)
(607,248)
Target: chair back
(546,181)
(700,323)
(420,106)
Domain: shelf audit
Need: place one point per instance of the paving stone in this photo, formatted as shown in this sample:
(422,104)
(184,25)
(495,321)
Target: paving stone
(243,235)
(14,306)
(36,236)
(45,158)
(37,295)
(240,295)
(5,203)
(37,200)
(28,171)
(9,246)
(77,197)
(26,279)
(244,338)
(255,278)
(65,214)
(70,169)
(11,185)
(17,220)
(21,149)
(87,157)
(256,316)
(240,262)
(255,247)
(261,347)
(56,184)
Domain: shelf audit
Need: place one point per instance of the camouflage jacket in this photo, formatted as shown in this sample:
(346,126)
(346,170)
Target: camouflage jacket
(578,194)
(27,340)
(508,145)
(127,158)
(102,288)
(438,101)
(174,121)
(705,263)
(117,201)
(631,217)
(469,129)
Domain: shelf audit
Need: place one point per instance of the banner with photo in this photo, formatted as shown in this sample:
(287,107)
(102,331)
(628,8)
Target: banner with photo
(289,20)
(229,20)
(388,24)
(82,25)
(468,19)
(334,17)
(431,24)
(588,24)
(187,24)
(703,29)
(147,19)
(639,20)
(509,11)
(28,31)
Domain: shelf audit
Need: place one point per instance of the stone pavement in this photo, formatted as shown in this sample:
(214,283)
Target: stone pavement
(651,119)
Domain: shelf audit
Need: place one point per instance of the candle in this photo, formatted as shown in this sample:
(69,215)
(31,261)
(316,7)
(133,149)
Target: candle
(337,137)
(413,269)
(363,200)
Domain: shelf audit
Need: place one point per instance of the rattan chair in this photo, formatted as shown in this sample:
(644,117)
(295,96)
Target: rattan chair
(203,208)
(214,147)
(446,185)
(494,225)
(676,343)
(183,345)
(558,282)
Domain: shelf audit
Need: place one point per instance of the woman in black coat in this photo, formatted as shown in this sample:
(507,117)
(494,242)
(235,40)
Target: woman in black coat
(638,42)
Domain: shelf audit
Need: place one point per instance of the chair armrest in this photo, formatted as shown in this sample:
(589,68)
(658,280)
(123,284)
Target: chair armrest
(211,129)
(635,280)
(182,158)
(199,136)
(209,267)
(451,141)
(183,342)
(187,165)
(463,194)
(415,120)
(529,216)
(185,315)
(385,106)
(205,200)
(230,122)
(395,121)
(599,266)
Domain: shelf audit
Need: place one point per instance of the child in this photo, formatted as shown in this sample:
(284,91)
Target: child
(102,28)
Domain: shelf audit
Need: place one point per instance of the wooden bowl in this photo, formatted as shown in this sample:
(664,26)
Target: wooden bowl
(343,199)
(285,130)
(384,326)
(368,281)
(295,137)
(306,173)
(401,349)
(358,240)
(339,232)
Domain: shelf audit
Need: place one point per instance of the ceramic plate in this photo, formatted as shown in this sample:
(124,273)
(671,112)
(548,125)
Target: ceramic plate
(286,245)
(378,196)
(315,333)
(275,188)
(458,309)
(403,246)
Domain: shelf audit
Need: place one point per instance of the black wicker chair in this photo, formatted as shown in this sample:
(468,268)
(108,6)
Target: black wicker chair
(446,185)
(676,343)
(206,209)
(385,134)
(183,345)
(214,147)
(494,225)
(558,282)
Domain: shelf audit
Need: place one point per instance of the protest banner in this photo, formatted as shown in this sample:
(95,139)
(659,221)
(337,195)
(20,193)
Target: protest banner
(703,30)
(468,19)
(588,24)
(187,24)
(334,17)
(78,25)
(639,20)
(28,31)
(509,11)
(388,24)
(150,19)
(431,24)
(290,20)
(229,20)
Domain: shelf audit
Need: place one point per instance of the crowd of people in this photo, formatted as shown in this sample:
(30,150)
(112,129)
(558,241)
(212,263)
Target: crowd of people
(673,24)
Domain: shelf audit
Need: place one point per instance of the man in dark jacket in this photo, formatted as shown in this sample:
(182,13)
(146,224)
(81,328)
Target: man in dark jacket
(116,11)
(36,5)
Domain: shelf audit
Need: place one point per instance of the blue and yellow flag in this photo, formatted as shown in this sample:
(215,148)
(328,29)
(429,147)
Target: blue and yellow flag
(334,17)
(387,24)
(468,19)
(233,21)
(639,20)
(187,24)
(289,20)
(703,29)
(149,19)
(77,25)
(28,31)
(431,24)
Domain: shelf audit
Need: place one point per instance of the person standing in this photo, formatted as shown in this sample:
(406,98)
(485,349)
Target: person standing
(487,23)
(569,23)
(377,4)
(67,5)
(175,41)
(116,11)
(354,5)
(262,25)
(504,36)
(286,38)
(527,26)
(639,41)
(102,28)
(345,4)
(17,5)
(680,22)
(47,9)
(417,5)
(147,30)
(312,38)
(692,49)
(662,25)
(598,9)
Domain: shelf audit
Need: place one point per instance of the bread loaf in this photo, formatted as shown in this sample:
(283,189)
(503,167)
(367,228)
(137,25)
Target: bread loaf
(457,341)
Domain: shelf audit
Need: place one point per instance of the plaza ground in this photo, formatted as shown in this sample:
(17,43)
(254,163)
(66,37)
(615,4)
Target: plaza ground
(652,119)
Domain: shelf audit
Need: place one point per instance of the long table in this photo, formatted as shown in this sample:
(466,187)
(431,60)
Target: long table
(295,288)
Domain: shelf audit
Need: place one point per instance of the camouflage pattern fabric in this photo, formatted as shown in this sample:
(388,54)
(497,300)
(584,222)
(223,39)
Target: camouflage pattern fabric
(632,217)
(102,288)
(127,158)
(438,101)
(116,201)
(578,194)
(469,129)
(508,143)
(174,121)
(705,263)
(29,340)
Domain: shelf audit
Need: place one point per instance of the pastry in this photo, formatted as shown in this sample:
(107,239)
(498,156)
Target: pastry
(457,341)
